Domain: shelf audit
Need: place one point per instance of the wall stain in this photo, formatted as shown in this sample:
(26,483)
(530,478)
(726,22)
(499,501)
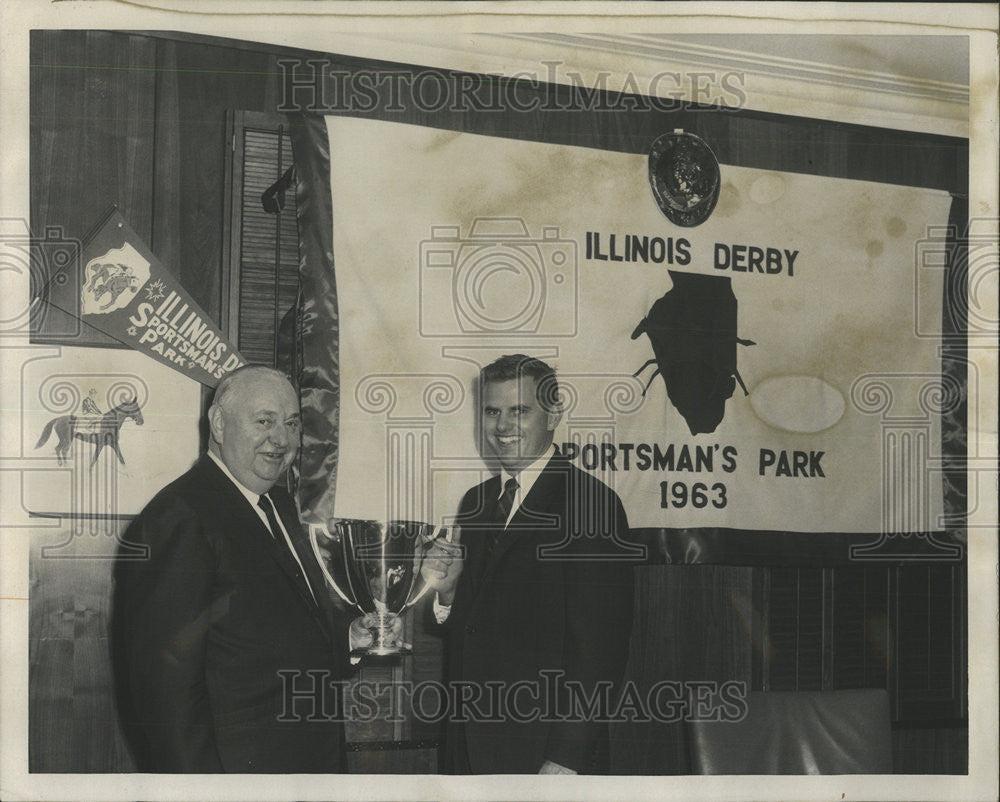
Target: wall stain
(895,227)
(767,189)
(729,200)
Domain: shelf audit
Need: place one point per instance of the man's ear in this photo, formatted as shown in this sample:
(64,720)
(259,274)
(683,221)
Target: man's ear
(552,420)
(216,422)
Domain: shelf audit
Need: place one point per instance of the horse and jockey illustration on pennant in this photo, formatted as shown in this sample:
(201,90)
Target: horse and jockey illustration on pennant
(102,429)
(111,279)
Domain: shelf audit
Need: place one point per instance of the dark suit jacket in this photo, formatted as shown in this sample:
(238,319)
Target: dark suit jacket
(203,625)
(519,612)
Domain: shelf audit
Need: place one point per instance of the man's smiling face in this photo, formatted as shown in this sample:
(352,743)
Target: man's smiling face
(516,427)
(257,430)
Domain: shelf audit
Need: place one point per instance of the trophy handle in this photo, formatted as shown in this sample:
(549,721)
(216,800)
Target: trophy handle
(314,541)
(437,533)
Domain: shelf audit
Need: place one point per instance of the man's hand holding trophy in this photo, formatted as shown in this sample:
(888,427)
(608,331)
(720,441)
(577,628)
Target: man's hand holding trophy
(364,630)
(382,568)
(443,565)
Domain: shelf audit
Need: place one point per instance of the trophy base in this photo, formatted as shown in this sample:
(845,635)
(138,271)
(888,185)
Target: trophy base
(381,651)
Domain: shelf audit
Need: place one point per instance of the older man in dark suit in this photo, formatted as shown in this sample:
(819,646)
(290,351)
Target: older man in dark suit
(227,644)
(542,602)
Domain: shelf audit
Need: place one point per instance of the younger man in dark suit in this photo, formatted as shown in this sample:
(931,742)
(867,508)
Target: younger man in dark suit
(545,589)
(225,636)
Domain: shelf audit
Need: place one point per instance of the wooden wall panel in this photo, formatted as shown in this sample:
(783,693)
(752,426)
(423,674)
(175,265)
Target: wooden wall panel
(73,722)
(943,750)
(928,659)
(860,638)
(141,122)
(91,140)
(91,128)
(168,190)
(895,626)
(691,622)
(211,80)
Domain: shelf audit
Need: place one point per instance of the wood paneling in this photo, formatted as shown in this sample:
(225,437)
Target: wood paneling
(211,80)
(91,145)
(860,637)
(73,724)
(168,191)
(92,122)
(796,629)
(941,750)
(140,122)
(899,627)
(691,622)
(928,670)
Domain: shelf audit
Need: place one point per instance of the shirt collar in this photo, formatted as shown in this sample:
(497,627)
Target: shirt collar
(528,475)
(252,497)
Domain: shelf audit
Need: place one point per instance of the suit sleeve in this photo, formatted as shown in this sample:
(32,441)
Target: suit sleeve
(166,603)
(598,610)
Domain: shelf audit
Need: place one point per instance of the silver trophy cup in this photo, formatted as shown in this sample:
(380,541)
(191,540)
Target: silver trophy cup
(375,566)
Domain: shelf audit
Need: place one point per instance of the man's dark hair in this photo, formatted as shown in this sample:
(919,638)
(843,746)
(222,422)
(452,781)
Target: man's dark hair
(514,366)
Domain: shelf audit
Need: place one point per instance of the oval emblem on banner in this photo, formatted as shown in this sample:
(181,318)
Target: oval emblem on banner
(804,404)
(684,176)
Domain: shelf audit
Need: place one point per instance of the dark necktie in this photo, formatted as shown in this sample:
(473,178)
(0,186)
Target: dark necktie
(506,501)
(272,519)
(279,538)
(504,505)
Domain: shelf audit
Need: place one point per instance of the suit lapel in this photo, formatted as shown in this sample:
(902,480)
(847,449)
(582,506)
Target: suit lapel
(248,521)
(279,550)
(476,533)
(536,514)
(290,518)
(322,603)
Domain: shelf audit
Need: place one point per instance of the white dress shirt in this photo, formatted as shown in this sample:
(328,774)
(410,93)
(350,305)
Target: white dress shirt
(525,480)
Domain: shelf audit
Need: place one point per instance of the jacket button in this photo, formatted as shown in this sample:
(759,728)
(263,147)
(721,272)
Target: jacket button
(470,630)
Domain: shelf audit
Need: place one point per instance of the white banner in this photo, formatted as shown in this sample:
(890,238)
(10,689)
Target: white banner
(451,249)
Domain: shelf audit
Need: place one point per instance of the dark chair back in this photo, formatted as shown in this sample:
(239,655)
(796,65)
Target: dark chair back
(799,732)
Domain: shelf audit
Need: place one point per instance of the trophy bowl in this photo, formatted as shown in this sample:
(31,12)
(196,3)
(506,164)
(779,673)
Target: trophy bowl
(375,566)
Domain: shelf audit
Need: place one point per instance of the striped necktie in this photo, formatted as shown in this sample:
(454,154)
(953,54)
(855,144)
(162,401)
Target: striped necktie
(506,501)
(504,505)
